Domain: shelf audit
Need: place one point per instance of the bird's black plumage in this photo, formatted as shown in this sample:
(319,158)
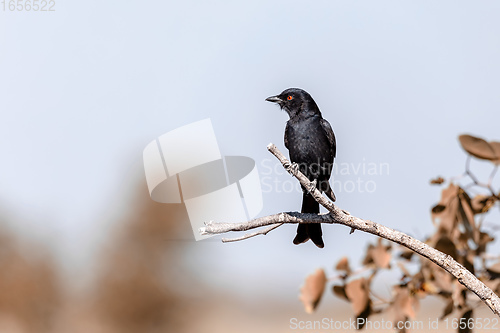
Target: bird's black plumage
(311,144)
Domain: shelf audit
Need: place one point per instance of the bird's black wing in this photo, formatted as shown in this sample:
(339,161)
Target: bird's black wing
(286,135)
(333,144)
(329,134)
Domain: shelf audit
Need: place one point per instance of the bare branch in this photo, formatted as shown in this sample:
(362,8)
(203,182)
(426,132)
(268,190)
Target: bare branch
(339,216)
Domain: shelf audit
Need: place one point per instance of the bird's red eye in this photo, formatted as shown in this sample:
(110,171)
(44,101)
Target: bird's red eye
(289,98)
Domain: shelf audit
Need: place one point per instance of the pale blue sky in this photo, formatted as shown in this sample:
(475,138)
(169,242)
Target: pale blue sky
(85,88)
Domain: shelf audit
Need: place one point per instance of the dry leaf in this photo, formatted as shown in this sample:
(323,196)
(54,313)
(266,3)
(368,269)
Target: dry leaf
(430,288)
(403,304)
(468,262)
(440,278)
(477,147)
(339,291)
(482,203)
(444,214)
(459,295)
(445,245)
(494,271)
(343,265)
(381,255)
(357,292)
(466,215)
(484,240)
(406,254)
(312,290)
(368,258)
(438,208)
(447,309)
(437,181)
(496,148)
(378,255)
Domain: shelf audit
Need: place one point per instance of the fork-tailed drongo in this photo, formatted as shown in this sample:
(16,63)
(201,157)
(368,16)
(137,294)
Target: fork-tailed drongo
(311,144)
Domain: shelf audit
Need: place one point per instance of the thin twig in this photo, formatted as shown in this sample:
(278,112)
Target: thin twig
(477,182)
(253,234)
(353,273)
(492,175)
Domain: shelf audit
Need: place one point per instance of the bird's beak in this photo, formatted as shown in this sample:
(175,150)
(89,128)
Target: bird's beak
(274,99)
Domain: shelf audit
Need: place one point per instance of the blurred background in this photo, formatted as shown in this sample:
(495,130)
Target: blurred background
(84,88)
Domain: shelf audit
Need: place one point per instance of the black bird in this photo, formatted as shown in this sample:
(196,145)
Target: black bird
(311,144)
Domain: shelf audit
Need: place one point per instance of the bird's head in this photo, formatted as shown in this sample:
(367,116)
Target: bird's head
(295,101)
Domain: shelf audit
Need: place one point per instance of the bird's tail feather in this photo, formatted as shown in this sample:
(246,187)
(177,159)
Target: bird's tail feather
(329,192)
(312,231)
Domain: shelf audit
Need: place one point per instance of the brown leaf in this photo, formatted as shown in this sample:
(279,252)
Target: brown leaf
(403,303)
(438,208)
(468,262)
(447,309)
(437,181)
(496,148)
(477,147)
(441,279)
(445,245)
(466,215)
(444,214)
(449,193)
(403,306)
(368,258)
(378,255)
(494,271)
(430,288)
(484,240)
(343,265)
(357,292)
(420,285)
(364,315)
(381,255)
(312,290)
(459,294)
(482,203)
(406,254)
(465,328)
(339,291)
(462,241)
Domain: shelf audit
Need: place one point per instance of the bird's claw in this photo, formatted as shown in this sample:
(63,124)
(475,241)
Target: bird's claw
(292,168)
(312,186)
